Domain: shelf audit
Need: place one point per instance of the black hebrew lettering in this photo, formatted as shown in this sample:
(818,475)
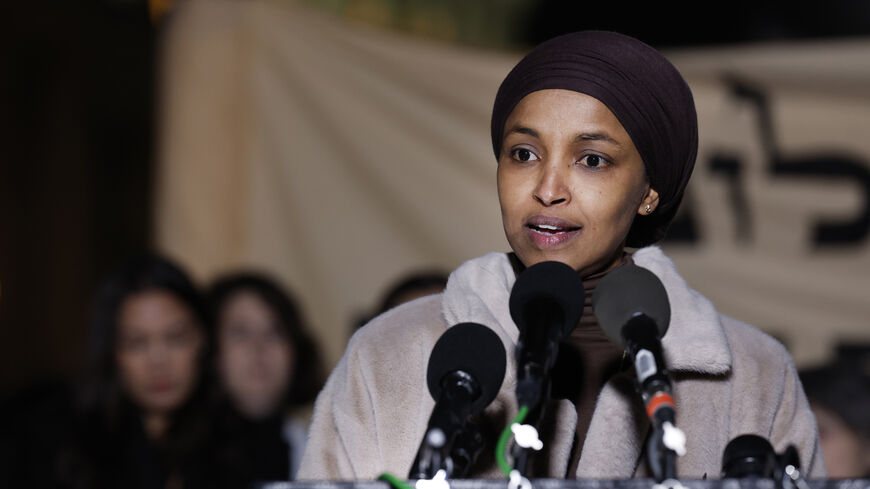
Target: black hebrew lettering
(847,230)
(731,169)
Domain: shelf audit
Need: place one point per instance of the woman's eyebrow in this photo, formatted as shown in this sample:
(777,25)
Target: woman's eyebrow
(597,136)
(523,130)
(585,136)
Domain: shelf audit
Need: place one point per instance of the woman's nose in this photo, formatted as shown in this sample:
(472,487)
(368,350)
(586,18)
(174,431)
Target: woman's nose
(552,188)
(259,345)
(158,354)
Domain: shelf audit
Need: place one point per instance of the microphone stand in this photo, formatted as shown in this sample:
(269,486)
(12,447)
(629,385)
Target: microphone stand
(465,450)
(666,441)
(661,458)
(521,452)
(450,417)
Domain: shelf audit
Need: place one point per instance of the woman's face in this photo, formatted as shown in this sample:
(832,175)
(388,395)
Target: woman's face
(570,181)
(254,357)
(157,350)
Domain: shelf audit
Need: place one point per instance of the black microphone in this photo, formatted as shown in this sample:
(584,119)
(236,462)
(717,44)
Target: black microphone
(546,304)
(465,372)
(748,456)
(632,307)
(753,456)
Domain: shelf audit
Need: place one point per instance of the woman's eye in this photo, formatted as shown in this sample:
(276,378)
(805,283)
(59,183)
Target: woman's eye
(238,333)
(178,338)
(594,161)
(524,154)
(133,344)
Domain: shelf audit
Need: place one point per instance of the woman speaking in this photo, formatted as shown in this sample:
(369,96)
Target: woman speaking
(595,135)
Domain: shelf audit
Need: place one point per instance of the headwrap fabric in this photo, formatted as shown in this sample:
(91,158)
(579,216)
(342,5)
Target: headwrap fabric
(644,91)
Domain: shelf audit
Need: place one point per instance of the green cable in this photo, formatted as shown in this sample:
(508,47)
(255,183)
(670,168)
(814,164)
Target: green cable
(394,481)
(501,448)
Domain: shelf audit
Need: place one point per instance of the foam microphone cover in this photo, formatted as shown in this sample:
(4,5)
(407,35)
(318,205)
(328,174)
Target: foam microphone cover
(623,293)
(748,455)
(552,284)
(473,349)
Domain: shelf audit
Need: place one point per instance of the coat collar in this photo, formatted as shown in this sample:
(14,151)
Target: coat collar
(479,291)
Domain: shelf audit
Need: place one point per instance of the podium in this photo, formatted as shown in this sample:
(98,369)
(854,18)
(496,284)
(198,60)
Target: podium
(748,483)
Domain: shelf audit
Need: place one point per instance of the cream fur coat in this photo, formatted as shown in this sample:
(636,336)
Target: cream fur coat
(730,379)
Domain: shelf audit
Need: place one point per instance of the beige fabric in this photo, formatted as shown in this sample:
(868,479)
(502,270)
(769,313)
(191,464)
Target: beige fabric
(339,157)
(730,379)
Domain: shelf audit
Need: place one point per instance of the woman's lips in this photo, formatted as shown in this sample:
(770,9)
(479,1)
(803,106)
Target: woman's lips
(161,387)
(548,232)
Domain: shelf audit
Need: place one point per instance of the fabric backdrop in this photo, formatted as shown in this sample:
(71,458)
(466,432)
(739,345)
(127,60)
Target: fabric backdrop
(338,158)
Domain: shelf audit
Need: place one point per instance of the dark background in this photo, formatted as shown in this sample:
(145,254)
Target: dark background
(76,127)
(680,24)
(77,112)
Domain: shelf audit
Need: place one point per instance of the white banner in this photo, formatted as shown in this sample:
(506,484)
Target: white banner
(338,157)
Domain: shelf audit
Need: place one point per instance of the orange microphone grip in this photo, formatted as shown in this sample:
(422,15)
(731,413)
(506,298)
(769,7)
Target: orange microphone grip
(659,400)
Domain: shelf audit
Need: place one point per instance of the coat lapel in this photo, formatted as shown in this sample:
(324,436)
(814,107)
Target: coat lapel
(695,343)
(614,441)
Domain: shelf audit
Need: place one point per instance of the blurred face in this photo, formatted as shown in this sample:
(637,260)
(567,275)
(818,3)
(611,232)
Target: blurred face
(157,350)
(255,358)
(570,181)
(846,454)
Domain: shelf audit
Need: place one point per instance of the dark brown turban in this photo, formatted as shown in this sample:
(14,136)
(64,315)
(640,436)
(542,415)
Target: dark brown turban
(642,88)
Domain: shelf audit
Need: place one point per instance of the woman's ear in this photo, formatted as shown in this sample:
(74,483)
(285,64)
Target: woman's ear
(649,203)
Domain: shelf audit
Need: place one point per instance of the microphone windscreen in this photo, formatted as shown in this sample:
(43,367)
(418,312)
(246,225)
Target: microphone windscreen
(748,455)
(625,292)
(473,349)
(548,284)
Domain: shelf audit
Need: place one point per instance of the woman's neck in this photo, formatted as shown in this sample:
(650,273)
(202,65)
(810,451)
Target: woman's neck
(620,257)
(602,268)
(155,425)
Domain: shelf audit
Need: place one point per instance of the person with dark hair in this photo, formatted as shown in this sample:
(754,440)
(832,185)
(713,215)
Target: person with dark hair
(267,365)
(595,137)
(839,396)
(140,406)
(411,286)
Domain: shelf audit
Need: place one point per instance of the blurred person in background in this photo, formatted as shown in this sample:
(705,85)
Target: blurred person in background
(140,409)
(267,366)
(411,286)
(839,396)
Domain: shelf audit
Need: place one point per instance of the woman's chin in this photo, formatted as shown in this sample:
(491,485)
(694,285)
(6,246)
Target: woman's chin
(535,256)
